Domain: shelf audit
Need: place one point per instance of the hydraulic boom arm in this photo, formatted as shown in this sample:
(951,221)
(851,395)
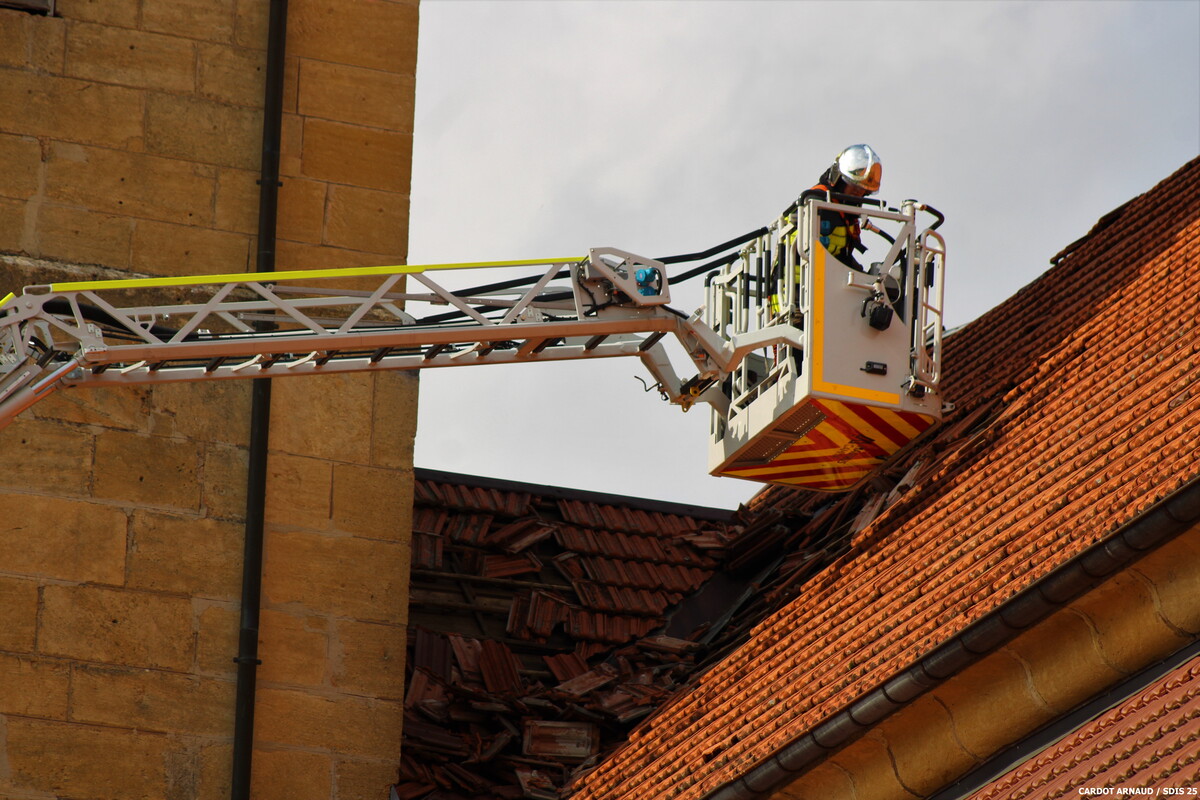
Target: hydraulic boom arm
(818,368)
(155,330)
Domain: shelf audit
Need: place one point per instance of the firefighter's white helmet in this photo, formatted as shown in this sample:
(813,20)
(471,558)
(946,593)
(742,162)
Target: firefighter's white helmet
(861,167)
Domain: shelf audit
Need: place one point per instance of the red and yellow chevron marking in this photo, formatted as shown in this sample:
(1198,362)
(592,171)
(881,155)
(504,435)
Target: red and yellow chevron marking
(845,447)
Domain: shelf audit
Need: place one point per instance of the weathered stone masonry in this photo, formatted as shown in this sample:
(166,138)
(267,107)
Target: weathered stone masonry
(129,145)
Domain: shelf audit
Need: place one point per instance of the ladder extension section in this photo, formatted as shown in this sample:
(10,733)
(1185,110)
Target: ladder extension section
(252,325)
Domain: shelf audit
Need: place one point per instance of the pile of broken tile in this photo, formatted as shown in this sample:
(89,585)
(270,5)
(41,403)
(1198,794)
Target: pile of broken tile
(543,629)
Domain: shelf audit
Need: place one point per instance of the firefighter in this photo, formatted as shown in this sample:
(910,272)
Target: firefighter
(856,172)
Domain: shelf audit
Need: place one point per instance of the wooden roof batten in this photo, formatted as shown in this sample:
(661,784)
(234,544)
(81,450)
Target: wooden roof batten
(1158,525)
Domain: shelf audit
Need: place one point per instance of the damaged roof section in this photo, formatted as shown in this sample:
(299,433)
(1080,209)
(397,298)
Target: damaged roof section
(1077,411)
(538,629)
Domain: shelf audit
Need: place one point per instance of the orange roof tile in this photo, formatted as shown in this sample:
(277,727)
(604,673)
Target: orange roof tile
(1077,409)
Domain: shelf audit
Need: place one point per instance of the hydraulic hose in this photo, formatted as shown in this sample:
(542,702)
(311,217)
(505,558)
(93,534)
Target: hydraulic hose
(720,248)
(677,259)
(712,251)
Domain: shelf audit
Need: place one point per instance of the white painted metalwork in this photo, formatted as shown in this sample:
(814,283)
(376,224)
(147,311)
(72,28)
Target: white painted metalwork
(127,332)
(784,323)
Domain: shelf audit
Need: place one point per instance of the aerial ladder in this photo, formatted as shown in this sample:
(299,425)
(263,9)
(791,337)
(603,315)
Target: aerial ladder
(816,370)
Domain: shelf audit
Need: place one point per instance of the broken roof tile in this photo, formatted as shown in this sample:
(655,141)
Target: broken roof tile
(532,618)
(506,566)
(431,652)
(500,668)
(566,665)
(566,741)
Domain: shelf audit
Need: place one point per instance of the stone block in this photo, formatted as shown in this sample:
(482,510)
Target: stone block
(207,411)
(366,779)
(293,774)
(298,491)
(300,255)
(355,95)
(12,225)
(223,491)
(291,85)
(343,576)
(372,503)
(395,419)
(152,700)
(29,42)
(237,201)
(205,131)
(351,154)
(124,407)
(302,210)
(149,470)
(294,648)
(370,220)
(83,237)
(230,74)
(819,783)
(211,20)
(1174,572)
(18,615)
(336,423)
(128,57)
(214,773)
(22,160)
(1130,632)
(353,726)
(70,540)
(183,554)
(921,741)
(72,110)
(364,33)
(869,767)
(46,456)
(250,25)
(368,658)
(14,39)
(47,44)
(133,184)
(68,760)
(1064,660)
(291,146)
(114,626)
(33,687)
(992,704)
(159,248)
(122,13)
(217,638)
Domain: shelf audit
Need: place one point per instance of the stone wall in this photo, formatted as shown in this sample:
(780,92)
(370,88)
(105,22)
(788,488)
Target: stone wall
(129,145)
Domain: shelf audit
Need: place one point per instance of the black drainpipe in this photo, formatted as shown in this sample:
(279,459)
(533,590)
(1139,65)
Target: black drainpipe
(260,418)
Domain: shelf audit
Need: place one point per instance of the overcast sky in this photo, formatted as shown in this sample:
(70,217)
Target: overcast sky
(545,128)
